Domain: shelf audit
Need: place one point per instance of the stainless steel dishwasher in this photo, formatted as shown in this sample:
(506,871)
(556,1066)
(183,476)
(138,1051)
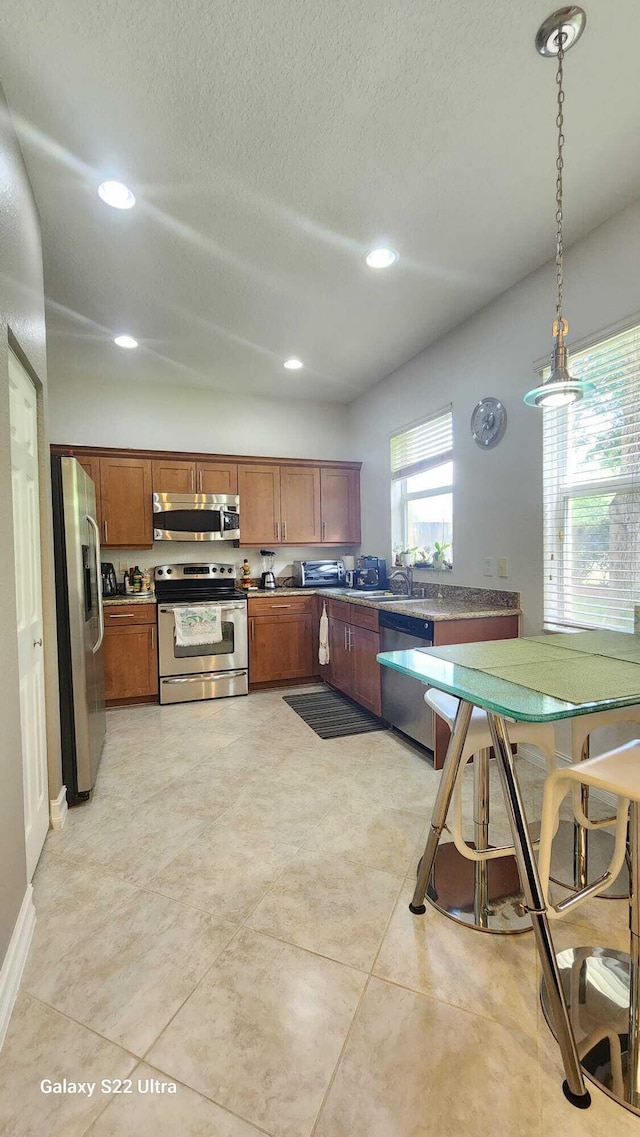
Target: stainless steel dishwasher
(403,702)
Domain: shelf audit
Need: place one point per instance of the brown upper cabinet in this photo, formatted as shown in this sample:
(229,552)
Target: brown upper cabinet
(178,476)
(174,476)
(340,498)
(282,501)
(217,477)
(125,492)
(259,491)
(300,505)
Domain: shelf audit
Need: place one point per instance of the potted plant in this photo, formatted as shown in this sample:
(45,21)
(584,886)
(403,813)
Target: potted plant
(408,556)
(439,550)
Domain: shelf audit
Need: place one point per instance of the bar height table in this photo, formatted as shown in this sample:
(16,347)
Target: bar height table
(531,680)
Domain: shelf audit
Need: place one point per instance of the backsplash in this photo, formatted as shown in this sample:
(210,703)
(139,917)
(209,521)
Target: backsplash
(191,552)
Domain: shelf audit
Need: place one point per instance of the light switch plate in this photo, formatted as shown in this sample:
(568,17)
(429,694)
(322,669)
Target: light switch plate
(488,566)
(503,567)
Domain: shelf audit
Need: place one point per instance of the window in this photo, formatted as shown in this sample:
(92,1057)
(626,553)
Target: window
(592,492)
(422,484)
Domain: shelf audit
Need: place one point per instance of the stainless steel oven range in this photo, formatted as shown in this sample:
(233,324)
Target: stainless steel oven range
(201,671)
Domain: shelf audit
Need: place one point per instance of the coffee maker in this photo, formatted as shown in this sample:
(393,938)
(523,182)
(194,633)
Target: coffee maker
(370,574)
(109,582)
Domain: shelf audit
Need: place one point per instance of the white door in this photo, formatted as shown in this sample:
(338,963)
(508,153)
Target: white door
(26,529)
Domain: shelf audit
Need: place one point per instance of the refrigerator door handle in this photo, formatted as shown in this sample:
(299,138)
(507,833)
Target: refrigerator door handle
(94,526)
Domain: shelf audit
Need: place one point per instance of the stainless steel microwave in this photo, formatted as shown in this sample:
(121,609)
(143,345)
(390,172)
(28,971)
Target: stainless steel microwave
(196,517)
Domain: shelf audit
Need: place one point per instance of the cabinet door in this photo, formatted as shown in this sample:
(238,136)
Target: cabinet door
(91,466)
(280,647)
(300,505)
(130,662)
(126,502)
(259,490)
(366,688)
(340,659)
(174,477)
(217,477)
(340,498)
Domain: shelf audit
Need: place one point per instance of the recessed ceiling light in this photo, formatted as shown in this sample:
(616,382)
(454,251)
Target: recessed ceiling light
(293,364)
(125,341)
(117,195)
(381,258)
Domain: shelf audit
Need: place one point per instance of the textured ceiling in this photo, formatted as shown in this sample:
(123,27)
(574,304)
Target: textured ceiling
(271,143)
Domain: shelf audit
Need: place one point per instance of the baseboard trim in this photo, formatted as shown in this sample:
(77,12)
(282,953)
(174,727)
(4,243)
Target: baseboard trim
(15,959)
(58,809)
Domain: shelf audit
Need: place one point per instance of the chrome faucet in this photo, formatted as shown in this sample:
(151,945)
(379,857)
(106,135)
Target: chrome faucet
(406,574)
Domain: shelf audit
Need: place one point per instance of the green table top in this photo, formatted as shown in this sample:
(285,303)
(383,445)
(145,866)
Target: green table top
(537,679)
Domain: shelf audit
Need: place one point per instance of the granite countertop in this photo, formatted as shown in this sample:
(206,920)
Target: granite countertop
(132,599)
(471,604)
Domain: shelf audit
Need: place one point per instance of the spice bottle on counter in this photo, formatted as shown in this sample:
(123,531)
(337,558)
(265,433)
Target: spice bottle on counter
(137,579)
(128,587)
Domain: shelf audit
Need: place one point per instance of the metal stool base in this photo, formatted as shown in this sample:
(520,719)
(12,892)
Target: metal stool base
(600,849)
(601,976)
(486,896)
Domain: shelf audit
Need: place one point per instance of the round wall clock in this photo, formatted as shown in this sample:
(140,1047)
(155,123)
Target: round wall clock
(488,422)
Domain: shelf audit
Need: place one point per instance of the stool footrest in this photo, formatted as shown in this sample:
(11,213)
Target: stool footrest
(584,894)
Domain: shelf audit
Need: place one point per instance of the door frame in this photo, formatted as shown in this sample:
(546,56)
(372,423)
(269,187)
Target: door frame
(56,788)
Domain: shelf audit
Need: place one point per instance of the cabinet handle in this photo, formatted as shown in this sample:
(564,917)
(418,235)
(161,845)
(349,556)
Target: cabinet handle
(121,615)
(253,629)
(201,481)
(324,530)
(192,479)
(349,635)
(284,530)
(346,645)
(281,605)
(106,531)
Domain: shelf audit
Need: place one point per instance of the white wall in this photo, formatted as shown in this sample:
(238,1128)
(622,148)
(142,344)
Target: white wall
(498,493)
(149,417)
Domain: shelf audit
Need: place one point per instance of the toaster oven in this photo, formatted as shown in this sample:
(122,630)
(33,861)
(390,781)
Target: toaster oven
(319,574)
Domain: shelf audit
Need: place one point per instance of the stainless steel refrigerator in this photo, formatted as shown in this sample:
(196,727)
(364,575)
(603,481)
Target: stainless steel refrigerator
(80,626)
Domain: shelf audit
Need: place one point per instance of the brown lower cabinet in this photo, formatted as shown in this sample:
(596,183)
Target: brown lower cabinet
(282,639)
(353,667)
(130,654)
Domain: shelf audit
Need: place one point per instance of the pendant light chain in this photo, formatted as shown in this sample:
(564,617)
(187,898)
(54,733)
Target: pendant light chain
(559,169)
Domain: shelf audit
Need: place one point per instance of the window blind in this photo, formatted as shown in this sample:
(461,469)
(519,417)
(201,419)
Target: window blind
(423,446)
(591,454)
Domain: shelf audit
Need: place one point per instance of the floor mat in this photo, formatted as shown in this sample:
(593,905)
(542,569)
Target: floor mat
(333,715)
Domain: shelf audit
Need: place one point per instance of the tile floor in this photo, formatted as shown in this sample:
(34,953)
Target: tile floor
(230,913)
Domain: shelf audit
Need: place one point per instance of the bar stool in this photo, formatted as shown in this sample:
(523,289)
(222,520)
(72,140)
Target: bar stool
(488,898)
(574,851)
(601,986)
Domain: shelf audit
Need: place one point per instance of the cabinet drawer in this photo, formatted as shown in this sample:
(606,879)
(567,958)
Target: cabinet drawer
(121,615)
(285,606)
(364,617)
(338,610)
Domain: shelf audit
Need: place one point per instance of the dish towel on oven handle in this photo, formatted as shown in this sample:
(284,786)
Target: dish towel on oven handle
(197,626)
(323,639)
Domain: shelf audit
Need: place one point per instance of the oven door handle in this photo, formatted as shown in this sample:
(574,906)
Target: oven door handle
(207,604)
(211,676)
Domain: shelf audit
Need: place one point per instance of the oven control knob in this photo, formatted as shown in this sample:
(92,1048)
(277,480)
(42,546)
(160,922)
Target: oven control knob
(160,572)
(168,572)
(230,570)
(213,568)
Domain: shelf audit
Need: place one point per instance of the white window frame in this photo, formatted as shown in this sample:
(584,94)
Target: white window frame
(400,496)
(556,517)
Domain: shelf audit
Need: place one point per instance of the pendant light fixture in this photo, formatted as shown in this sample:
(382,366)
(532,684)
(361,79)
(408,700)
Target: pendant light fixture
(560,31)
